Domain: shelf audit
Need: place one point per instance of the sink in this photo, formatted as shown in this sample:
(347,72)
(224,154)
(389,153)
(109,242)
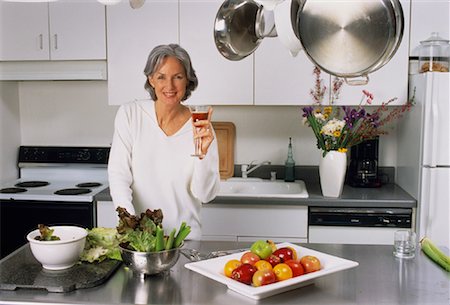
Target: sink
(257,187)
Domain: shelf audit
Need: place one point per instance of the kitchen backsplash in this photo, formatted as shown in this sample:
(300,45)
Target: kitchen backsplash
(77,113)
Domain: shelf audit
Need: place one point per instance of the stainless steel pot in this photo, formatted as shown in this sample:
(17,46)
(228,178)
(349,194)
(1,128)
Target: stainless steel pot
(234,29)
(350,38)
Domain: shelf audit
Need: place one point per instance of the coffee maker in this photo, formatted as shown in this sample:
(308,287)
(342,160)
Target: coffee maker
(363,169)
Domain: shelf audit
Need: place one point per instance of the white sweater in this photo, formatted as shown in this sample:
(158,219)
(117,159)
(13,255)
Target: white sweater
(149,170)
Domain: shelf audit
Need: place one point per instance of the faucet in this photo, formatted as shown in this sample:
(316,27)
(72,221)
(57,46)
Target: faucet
(246,169)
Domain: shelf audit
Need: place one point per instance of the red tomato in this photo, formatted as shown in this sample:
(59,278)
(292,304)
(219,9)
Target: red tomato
(273,260)
(310,263)
(263,277)
(249,258)
(296,267)
(284,254)
(244,273)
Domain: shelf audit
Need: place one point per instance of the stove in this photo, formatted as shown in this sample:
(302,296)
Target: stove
(74,174)
(57,186)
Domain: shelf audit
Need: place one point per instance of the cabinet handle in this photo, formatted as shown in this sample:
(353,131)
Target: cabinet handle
(56,41)
(41,42)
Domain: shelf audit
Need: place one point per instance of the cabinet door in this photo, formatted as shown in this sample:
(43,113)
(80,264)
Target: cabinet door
(281,79)
(131,35)
(23,31)
(221,81)
(247,222)
(77,30)
(389,81)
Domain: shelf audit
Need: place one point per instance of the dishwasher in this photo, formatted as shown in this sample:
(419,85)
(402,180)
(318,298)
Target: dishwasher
(361,225)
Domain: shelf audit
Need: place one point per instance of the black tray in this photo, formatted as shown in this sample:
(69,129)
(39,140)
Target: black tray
(21,270)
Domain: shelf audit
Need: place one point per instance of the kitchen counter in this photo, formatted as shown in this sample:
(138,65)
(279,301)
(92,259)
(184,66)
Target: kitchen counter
(380,278)
(389,195)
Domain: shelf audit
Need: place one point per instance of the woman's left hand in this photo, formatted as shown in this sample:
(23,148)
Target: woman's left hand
(204,131)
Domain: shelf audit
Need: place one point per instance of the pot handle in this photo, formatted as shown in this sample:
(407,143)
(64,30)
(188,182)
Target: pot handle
(364,80)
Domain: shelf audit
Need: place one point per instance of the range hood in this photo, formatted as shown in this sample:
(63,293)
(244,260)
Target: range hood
(53,70)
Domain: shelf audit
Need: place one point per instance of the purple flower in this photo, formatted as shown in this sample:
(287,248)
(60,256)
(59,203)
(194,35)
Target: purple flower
(307,111)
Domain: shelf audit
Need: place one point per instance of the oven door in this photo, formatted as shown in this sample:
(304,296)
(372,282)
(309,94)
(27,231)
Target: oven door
(19,217)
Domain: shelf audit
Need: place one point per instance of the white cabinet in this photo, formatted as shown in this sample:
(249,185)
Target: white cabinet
(390,80)
(252,222)
(281,79)
(131,35)
(107,216)
(63,30)
(221,81)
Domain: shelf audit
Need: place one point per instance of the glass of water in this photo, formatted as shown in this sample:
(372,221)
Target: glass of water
(405,244)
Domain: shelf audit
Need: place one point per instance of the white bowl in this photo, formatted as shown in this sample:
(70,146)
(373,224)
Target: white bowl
(59,254)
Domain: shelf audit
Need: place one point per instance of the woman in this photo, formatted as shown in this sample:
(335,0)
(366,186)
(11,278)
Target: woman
(150,164)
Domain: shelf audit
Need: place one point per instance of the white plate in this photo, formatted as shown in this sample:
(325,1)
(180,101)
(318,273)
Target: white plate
(213,268)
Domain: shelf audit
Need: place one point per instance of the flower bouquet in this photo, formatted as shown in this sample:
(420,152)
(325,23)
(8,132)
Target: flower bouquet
(339,128)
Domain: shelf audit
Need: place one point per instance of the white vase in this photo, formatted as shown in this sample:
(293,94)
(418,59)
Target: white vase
(332,169)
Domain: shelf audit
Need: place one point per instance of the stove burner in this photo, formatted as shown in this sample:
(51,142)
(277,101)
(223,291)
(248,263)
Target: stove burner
(72,191)
(32,184)
(89,184)
(12,190)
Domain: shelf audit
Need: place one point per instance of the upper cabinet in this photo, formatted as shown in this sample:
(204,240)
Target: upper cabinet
(62,30)
(131,35)
(281,79)
(221,81)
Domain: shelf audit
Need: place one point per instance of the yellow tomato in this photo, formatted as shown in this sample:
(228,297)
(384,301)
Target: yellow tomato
(263,265)
(230,266)
(294,253)
(282,271)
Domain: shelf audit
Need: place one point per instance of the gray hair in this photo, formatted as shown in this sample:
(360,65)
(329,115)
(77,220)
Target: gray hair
(156,57)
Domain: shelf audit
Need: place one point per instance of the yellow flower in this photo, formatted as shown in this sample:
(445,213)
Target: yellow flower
(327,110)
(337,133)
(342,149)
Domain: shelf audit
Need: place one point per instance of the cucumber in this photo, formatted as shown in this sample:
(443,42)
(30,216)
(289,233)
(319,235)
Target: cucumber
(433,252)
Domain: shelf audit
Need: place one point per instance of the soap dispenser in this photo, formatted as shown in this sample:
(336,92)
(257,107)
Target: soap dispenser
(289,166)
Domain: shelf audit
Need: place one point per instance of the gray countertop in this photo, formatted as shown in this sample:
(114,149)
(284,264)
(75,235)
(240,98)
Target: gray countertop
(380,278)
(388,195)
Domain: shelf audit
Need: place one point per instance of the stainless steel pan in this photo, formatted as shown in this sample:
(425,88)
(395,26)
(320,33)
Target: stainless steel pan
(350,38)
(234,29)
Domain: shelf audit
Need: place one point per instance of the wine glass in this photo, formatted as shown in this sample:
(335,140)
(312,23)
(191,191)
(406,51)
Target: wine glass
(198,112)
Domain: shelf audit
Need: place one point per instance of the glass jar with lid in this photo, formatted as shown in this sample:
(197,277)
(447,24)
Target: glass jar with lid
(434,54)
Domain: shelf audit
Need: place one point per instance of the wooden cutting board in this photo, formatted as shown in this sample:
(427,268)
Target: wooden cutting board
(226,134)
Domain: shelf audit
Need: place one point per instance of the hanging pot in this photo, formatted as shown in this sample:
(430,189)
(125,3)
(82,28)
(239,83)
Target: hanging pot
(350,38)
(235,28)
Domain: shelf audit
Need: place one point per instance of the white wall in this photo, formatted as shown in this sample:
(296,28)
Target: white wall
(77,113)
(9,130)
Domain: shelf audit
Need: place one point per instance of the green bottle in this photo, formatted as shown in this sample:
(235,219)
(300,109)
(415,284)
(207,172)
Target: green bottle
(289,166)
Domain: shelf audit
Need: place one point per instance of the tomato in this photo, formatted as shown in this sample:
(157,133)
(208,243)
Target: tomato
(244,273)
(296,267)
(249,258)
(230,266)
(282,272)
(263,265)
(273,260)
(294,253)
(263,277)
(310,263)
(284,254)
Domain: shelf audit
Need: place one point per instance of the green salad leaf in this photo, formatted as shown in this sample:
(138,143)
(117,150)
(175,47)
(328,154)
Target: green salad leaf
(101,243)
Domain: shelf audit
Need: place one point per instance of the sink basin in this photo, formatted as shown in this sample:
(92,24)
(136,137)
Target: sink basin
(256,187)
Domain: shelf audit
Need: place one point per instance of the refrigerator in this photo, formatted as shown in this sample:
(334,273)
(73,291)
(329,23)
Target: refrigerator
(423,154)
